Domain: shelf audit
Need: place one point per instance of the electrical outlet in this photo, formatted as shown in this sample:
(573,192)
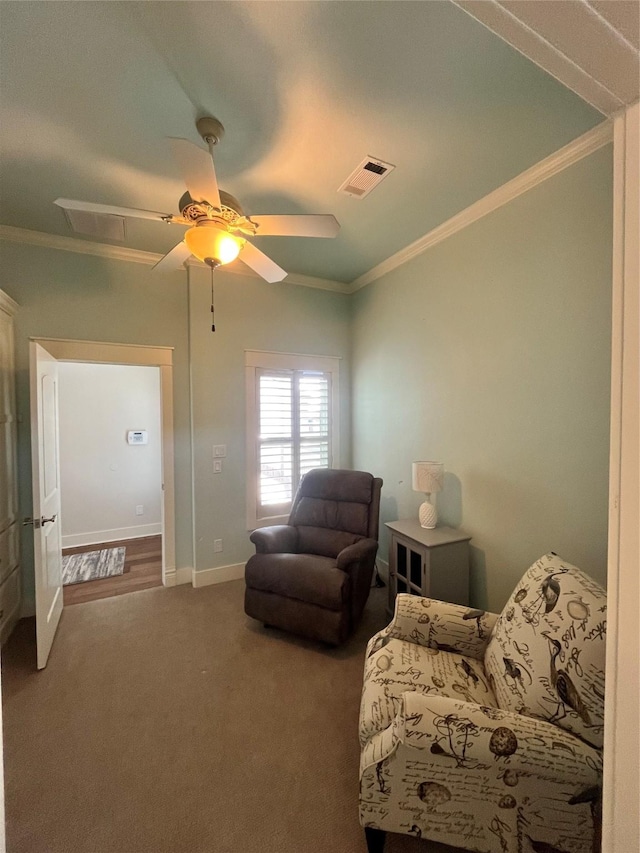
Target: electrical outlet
(219,449)
(217,466)
(140,509)
(217,546)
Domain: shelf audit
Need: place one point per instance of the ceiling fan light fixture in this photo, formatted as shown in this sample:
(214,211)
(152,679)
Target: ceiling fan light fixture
(212,244)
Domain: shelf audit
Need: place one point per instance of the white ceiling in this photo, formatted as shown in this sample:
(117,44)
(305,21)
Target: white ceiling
(306,90)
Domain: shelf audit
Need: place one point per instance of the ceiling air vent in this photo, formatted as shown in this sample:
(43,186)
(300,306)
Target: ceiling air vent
(102,225)
(367,176)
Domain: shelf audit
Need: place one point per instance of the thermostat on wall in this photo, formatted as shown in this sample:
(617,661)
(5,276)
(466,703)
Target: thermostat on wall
(137,436)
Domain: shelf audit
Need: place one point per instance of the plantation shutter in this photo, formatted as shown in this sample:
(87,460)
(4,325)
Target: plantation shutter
(313,420)
(275,441)
(294,433)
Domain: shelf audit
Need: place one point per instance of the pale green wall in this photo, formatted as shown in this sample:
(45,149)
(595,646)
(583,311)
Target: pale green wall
(491,353)
(250,314)
(67,295)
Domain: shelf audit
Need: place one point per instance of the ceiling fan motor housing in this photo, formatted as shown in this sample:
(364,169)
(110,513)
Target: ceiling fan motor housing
(194,210)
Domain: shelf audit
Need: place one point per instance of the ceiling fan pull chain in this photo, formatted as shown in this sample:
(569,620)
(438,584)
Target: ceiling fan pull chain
(213,325)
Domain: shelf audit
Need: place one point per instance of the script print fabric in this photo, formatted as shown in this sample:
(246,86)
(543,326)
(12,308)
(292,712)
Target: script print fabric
(481,779)
(400,665)
(547,653)
(483,771)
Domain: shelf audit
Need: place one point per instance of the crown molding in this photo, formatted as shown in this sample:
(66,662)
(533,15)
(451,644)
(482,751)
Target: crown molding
(73,244)
(565,157)
(319,283)
(138,256)
(570,154)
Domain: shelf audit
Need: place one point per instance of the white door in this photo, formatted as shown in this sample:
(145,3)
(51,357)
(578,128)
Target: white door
(47,543)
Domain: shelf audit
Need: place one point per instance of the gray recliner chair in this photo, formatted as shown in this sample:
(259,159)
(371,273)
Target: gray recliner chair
(312,576)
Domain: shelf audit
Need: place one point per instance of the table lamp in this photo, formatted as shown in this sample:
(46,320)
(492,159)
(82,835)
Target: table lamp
(428,477)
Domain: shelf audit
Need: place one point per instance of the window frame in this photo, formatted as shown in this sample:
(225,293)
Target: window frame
(255,361)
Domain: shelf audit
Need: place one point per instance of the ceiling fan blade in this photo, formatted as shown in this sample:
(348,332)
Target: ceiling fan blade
(174,259)
(90,207)
(305,225)
(196,166)
(260,263)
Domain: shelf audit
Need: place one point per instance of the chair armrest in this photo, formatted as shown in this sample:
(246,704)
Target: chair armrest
(453,735)
(277,539)
(356,553)
(441,625)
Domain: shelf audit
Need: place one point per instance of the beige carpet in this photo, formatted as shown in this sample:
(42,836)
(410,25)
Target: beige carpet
(169,722)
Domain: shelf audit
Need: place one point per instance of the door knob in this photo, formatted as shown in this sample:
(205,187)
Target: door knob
(38,522)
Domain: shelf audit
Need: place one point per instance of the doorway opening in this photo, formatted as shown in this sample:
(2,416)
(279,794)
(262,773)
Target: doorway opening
(48,359)
(84,354)
(110,479)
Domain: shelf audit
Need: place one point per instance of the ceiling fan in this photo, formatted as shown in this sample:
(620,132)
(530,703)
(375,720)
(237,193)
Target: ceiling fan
(218,227)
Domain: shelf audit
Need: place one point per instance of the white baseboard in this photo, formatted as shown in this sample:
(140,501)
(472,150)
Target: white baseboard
(184,575)
(221,574)
(177,577)
(74,540)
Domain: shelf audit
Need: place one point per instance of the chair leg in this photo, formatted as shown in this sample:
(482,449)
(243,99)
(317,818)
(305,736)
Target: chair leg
(375,839)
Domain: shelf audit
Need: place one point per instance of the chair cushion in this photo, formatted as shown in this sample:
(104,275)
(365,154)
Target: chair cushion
(334,484)
(335,515)
(395,666)
(305,577)
(327,543)
(337,502)
(546,655)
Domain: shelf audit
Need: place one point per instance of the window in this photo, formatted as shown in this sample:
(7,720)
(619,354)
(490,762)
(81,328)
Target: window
(291,428)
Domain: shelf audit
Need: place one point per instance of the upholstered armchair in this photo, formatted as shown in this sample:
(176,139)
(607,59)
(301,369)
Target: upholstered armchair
(484,731)
(312,576)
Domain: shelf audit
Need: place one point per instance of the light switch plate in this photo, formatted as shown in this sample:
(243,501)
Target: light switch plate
(219,449)
(217,466)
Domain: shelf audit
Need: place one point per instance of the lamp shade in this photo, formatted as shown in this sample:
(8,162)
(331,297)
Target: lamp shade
(428,477)
(209,242)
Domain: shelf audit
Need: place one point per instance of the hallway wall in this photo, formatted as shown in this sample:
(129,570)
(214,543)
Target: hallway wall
(103,478)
